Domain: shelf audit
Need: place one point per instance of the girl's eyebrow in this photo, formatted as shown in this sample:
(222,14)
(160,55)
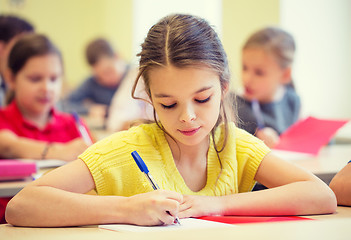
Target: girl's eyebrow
(161,95)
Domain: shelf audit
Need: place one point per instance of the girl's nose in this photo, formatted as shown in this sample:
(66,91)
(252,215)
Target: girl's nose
(246,77)
(187,114)
(48,85)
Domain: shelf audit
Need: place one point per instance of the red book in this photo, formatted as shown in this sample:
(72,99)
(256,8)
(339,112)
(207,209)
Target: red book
(251,219)
(11,169)
(309,135)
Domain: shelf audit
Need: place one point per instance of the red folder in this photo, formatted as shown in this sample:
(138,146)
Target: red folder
(11,169)
(309,135)
(251,219)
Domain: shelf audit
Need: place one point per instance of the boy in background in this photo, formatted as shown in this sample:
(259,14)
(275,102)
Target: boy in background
(93,97)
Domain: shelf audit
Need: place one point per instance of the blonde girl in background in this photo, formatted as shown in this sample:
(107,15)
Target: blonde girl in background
(269,103)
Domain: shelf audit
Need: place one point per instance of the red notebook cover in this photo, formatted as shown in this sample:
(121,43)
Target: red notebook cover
(251,219)
(11,169)
(309,135)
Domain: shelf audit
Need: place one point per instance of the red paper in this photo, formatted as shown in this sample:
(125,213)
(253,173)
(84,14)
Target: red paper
(246,219)
(309,135)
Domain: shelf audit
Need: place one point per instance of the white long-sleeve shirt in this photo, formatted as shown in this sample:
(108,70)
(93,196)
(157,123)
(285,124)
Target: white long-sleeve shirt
(124,108)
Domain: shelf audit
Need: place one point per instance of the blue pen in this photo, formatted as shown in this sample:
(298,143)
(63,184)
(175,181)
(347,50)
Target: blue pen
(143,168)
(83,132)
(257,113)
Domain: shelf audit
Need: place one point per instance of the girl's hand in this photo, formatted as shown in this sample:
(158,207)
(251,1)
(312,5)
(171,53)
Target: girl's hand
(269,136)
(67,151)
(197,206)
(153,208)
(98,112)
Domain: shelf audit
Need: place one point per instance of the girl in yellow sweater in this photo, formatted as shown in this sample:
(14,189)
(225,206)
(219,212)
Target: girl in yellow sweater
(204,163)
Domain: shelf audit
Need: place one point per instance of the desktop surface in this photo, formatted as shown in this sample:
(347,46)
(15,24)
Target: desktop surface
(331,226)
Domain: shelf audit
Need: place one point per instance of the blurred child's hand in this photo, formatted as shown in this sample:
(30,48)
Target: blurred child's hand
(67,151)
(269,136)
(97,111)
(151,208)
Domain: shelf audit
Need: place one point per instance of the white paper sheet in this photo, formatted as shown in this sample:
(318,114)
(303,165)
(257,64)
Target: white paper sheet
(188,223)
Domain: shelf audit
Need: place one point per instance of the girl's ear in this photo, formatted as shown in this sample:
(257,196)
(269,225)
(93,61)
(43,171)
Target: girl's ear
(286,78)
(2,47)
(225,89)
(10,78)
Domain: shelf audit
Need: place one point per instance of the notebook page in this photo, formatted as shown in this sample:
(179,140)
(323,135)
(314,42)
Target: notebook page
(187,223)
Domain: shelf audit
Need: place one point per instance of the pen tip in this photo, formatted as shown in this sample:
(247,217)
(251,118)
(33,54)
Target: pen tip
(176,220)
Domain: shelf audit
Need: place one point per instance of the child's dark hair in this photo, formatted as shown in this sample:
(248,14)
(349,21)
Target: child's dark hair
(28,46)
(10,26)
(98,48)
(185,41)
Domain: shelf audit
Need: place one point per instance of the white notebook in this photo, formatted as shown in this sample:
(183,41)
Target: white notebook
(187,223)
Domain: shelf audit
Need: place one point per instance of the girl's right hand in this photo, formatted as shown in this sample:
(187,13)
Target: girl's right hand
(159,207)
(67,151)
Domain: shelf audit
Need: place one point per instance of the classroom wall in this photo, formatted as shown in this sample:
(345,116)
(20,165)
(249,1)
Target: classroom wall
(72,24)
(322,69)
(240,19)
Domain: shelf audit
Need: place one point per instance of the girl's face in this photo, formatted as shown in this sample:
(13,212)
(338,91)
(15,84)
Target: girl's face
(108,71)
(187,102)
(37,85)
(261,75)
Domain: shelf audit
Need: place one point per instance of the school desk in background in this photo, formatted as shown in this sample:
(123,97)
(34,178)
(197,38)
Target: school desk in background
(309,135)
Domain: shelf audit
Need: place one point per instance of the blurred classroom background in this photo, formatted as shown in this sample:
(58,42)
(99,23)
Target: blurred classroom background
(322,70)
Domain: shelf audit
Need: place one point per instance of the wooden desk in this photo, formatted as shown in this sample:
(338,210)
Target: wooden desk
(330,227)
(11,188)
(330,160)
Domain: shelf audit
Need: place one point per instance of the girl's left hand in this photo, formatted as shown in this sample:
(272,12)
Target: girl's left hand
(197,206)
(269,136)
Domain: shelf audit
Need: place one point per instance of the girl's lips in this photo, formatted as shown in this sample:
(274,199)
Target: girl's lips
(189,132)
(44,100)
(248,91)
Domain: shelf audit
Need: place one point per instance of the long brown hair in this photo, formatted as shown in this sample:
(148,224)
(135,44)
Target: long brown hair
(182,41)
